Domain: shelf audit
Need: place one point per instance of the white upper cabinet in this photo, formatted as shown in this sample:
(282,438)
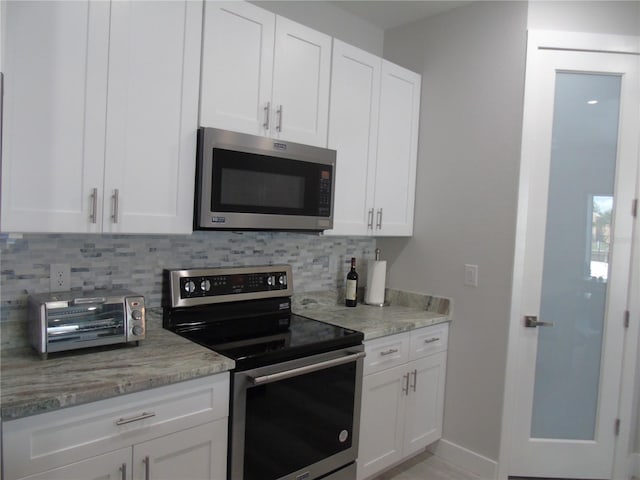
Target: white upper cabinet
(100,116)
(237,67)
(397,151)
(353,133)
(373,125)
(56,56)
(152,114)
(263,74)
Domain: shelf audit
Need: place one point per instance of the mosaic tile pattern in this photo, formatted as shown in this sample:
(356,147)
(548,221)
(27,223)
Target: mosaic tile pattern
(136,261)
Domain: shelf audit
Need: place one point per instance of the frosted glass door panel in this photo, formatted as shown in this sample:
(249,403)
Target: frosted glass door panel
(576,255)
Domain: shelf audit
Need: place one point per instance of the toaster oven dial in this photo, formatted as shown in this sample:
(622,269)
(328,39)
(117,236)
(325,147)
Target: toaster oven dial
(137,315)
(137,330)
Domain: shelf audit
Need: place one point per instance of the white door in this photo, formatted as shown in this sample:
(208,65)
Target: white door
(572,265)
(56,56)
(301,77)
(194,454)
(114,465)
(237,67)
(353,133)
(397,151)
(152,116)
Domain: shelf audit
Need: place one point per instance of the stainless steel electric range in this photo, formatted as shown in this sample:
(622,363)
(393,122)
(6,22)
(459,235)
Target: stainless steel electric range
(296,388)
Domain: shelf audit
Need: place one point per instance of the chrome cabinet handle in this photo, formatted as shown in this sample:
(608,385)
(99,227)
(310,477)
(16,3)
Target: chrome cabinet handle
(379,219)
(93,216)
(370,219)
(267,114)
(279,113)
(415,379)
(388,352)
(431,340)
(294,372)
(123,471)
(114,216)
(405,389)
(137,418)
(531,321)
(147,469)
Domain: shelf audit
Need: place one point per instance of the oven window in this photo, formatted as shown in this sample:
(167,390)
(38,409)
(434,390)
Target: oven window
(293,423)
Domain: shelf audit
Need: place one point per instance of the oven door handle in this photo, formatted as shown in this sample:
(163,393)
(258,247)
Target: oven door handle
(274,377)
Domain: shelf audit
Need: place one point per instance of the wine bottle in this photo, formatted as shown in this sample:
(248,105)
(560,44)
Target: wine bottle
(351,299)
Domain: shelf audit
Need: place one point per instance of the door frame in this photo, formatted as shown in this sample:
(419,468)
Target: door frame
(622,467)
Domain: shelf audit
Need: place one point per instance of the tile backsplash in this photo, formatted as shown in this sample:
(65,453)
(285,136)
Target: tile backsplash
(136,262)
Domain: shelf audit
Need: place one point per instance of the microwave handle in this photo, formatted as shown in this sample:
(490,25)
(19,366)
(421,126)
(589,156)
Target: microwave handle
(89,300)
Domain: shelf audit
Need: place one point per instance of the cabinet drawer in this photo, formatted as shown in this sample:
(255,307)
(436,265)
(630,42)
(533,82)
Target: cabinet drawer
(49,440)
(428,340)
(386,352)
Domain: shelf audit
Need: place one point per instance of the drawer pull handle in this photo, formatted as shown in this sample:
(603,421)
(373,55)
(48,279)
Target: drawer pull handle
(431,340)
(124,421)
(389,352)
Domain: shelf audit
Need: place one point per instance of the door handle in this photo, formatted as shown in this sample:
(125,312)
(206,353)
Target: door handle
(415,379)
(267,114)
(114,197)
(531,321)
(279,114)
(370,219)
(405,389)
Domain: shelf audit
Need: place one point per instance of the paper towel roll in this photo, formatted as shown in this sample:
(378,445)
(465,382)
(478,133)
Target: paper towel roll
(376,278)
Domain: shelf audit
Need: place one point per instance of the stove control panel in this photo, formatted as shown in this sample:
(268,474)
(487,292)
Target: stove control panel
(216,285)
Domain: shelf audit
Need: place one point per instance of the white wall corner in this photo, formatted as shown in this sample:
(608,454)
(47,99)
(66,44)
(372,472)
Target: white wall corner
(465,459)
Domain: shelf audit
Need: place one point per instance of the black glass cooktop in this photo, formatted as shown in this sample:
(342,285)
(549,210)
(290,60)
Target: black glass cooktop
(252,335)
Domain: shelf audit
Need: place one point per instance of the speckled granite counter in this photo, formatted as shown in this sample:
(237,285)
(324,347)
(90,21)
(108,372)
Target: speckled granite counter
(406,311)
(30,385)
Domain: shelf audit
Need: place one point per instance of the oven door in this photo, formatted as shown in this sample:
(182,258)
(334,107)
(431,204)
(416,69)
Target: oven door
(296,420)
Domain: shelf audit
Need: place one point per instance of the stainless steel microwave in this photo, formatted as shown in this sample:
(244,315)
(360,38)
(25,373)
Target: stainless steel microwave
(248,182)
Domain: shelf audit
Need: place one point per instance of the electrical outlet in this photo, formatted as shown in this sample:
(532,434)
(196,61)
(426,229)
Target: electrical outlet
(59,277)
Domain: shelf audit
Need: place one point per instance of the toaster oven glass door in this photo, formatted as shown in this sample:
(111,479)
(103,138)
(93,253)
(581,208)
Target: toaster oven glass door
(88,324)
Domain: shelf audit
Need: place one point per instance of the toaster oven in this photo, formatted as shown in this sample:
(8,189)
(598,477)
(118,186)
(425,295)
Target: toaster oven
(61,321)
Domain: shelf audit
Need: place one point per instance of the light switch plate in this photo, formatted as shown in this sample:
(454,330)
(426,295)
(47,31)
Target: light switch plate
(471,275)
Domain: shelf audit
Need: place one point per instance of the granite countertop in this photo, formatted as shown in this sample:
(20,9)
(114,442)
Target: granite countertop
(404,312)
(30,385)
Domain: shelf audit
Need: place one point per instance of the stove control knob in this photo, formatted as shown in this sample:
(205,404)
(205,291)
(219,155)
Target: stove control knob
(137,330)
(205,285)
(271,280)
(282,280)
(190,286)
(136,315)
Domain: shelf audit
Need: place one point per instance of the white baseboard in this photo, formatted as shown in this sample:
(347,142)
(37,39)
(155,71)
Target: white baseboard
(635,465)
(466,459)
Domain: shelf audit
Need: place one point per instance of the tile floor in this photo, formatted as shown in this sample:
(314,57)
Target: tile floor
(426,466)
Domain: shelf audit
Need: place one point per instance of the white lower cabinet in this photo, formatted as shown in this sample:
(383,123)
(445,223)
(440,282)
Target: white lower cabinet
(177,431)
(402,397)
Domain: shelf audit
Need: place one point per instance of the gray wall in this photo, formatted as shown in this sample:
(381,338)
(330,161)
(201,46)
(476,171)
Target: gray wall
(329,19)
(472,60)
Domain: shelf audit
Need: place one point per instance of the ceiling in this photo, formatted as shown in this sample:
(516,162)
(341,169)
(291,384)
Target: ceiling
(393,13)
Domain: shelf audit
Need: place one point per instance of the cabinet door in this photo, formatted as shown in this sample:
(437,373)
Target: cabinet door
(193,454)
(114,465)
(237,67)
(423,423)
(397,150)
(152,116)
(353,132)
(381,420)
(54,114)
(301,77)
